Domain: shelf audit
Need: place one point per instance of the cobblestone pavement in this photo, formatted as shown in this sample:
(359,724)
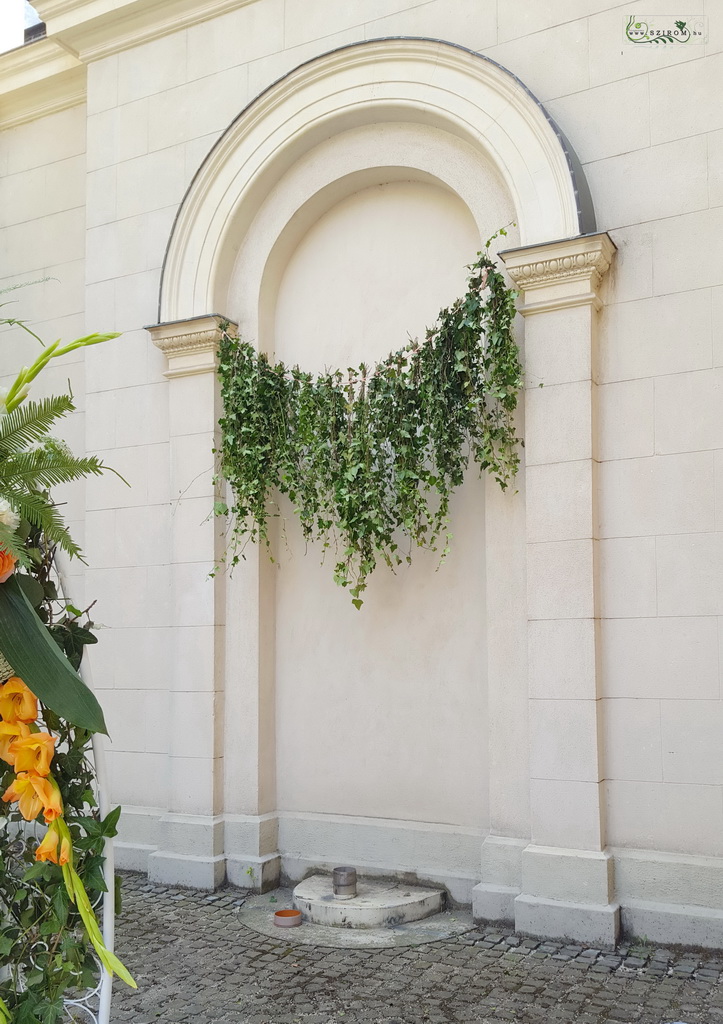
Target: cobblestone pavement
(195,962)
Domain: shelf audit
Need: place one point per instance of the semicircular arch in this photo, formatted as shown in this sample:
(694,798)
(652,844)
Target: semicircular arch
(400,81)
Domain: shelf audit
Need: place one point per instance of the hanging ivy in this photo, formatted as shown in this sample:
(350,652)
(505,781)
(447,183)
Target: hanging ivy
(373,455)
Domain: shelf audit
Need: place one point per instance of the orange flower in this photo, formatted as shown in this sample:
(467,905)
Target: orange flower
(33,795)
(65,850)
(9,732)
(48,849)
(7,565)
(33,753)
(17,703)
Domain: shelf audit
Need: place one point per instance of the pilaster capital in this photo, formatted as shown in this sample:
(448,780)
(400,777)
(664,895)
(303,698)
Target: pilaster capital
(557,275)
(190,345)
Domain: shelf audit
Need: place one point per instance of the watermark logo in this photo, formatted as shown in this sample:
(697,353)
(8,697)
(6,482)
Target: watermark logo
(660,31)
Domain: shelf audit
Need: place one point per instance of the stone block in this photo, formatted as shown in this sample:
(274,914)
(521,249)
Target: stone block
(560,580)
(631,188)
(659,816)
(660,657)
(625,420)
(458,21)
(234,38)
(670,494)
(681,99)
(633,739)
(566,814)
(690,574)
(592,119)
(691,741)
(260,874)
(593,924)
(672,924)
(561,658)
(186,870)
(627,577)
(494,902)
(557,347)
(557,423)
(554,873)
(677,246)
(151,67)
(559,501)
(527,56)
(563,740)
(689,411)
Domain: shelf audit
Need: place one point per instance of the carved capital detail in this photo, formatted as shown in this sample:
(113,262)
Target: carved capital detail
(560,274)
(190,345)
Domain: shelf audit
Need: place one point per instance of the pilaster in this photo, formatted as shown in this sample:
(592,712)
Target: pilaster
(222,756)
(559,282)
(191,848)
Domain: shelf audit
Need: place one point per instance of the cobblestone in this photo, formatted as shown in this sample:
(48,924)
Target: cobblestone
(195,962)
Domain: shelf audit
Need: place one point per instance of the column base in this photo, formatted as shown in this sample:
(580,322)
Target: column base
(494,902)
(595,924)
(260,874)
(186,870)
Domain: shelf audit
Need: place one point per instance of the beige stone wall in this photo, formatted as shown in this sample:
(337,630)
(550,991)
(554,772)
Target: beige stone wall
(89,196)
(42,269)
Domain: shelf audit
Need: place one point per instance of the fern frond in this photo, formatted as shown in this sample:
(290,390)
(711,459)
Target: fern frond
(31,421)
(42,469)
(9,541)
(39,511)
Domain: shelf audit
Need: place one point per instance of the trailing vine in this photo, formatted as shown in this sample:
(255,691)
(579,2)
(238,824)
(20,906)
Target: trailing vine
(374,454)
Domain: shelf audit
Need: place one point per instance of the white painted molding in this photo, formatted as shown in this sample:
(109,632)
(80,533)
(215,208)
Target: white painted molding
(417,82)
(189,345)
(39,79)
(560,274)
(98,28)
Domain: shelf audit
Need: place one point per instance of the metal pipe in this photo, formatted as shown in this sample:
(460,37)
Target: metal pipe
(344,883)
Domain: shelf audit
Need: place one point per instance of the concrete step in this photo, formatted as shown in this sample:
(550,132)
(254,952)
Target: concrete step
(376,905)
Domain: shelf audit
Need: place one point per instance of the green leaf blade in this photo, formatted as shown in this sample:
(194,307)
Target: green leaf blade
(36,658)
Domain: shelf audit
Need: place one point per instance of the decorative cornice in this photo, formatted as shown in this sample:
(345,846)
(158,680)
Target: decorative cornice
(39,79)
(585,265)
(98,28)
(189,345)
(559,274)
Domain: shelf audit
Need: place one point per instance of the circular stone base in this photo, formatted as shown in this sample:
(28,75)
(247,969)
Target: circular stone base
(257,913)
(376,904)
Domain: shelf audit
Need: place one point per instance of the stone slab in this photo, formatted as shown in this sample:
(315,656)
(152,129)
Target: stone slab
(377,904)
(257,914)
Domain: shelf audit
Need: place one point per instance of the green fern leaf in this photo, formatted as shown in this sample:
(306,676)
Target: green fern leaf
(31,421)
(39,511)
(42,469)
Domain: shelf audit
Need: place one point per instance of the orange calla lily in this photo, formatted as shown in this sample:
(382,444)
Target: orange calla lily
(34,794)
(17,702)
(9,732)
(7,565)
(33,753)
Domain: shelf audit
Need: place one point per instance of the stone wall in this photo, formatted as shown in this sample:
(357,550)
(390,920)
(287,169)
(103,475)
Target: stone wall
(92,192)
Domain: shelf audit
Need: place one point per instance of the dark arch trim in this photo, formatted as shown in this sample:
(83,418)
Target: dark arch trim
(586,223)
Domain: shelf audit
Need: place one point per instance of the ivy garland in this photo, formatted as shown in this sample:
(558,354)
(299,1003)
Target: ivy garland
(373,454)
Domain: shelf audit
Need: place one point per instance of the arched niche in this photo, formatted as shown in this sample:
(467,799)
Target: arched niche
(382,82)
(433,116)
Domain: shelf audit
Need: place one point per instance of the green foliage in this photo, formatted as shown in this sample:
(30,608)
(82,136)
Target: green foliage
(43,939)
(31,463)
(37,658)
(374,454)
